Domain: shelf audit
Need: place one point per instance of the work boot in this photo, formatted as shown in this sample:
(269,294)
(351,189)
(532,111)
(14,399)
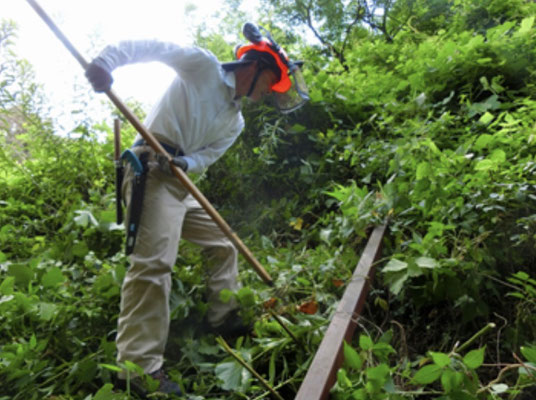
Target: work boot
(233,327)
(138,386)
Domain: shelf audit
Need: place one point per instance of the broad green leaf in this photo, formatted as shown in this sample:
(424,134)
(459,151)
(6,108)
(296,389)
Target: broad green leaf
(52,277)
(233,376)
(424,170)
(23,274)
(351,357)
(365,342)
(297,128)
(395,265)
(529,353)
(5,299)
(105,392)
(119,273)
(85,370)
(431,145)
(440,359)
(485,60)
(526,371)
(107,216)
(84,219)
(485,83)
(516,294)
(325,235)
(451,380)
(226,295)
(499,30)
(80,249)
(498,156)
(205,347)
(360,394)
(8,285)
(246,297)
(378,373)
(342,379)
(428,374)
(33,342)
(426,262)
(486,118)
(498,89)
(402,85)
(23,301)
(3,257)
(304,282)
(421,99)
(103,282)
(483,141)
(382,350)
(499,388)
(396,281)
(492,102)
(526,25)
(521,275)
(474,358)
(484,165)
(46,311)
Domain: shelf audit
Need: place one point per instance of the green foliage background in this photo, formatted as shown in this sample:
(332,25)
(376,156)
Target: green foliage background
(423,116)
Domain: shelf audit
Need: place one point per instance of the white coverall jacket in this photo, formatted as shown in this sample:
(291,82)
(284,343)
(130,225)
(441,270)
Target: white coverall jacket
(198,114)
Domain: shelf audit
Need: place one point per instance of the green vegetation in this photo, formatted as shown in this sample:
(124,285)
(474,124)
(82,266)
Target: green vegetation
(423,115)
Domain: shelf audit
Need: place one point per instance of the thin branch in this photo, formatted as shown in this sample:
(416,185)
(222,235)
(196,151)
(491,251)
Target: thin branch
(503,371)
(315,32)
(499,336)
(481,332)
(523,364)
(283,325)
(358,16)
(370,20)
(241,361)
(402,337)
(338,54)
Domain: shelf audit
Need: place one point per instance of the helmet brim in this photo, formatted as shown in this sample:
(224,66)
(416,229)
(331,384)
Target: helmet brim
(232,65)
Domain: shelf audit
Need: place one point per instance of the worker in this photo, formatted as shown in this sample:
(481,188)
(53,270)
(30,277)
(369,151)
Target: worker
(197,119)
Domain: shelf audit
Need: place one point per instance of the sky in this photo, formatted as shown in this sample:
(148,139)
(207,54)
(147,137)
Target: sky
(90,25)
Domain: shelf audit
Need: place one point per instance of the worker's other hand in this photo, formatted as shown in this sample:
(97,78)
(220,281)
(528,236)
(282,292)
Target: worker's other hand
(164,163)
(100,78)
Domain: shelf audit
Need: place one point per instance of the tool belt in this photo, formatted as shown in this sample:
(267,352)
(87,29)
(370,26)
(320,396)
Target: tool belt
(139,168)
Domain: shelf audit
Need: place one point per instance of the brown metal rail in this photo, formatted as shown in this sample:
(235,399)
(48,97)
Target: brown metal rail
(323,370)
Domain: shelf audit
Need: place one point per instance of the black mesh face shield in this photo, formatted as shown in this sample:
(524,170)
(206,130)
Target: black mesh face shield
(296,96)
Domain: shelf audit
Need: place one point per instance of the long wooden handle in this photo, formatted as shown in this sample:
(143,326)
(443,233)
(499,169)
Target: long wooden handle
(157,147)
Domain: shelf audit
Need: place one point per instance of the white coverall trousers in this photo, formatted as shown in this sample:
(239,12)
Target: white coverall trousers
(169,211)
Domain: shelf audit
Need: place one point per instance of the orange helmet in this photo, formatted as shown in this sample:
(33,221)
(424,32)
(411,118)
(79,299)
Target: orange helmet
(271,56)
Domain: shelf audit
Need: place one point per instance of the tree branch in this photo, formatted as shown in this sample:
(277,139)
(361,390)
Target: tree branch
(338,54)
(358,16)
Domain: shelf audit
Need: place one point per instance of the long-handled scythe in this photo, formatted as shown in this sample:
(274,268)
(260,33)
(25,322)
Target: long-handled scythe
(157,147)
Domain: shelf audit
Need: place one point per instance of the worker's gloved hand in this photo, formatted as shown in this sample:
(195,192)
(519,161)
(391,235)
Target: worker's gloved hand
(181,163)
(99,77)
(163,163)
